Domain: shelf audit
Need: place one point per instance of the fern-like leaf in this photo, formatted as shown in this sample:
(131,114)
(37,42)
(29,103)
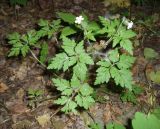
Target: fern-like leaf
(127,45)
(58,61)
(19,45)
(24,50)
(61,84)
(75,56)
(68,46)
(48,28)
(122,77)
(103,75)
(125,61)
(80,70)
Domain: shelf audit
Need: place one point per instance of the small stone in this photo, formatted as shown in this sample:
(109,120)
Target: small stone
(12,78)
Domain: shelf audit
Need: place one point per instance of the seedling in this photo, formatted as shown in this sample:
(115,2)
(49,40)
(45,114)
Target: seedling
(34,95)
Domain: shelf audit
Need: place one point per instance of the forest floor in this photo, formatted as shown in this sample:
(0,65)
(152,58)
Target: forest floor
(19,74)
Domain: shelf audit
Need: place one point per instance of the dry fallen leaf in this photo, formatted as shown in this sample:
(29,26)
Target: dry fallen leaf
(17,107)
(107,113)
(43,120)
(117,110)
(107,116)
(3,87)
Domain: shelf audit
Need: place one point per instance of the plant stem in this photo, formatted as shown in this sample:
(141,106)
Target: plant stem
(37,58)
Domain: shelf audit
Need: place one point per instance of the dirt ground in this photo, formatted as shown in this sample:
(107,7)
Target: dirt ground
(19,74)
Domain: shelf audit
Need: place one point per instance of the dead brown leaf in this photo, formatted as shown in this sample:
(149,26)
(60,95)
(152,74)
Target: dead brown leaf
(107,116)
(3,87)
(117,110)
(17,107)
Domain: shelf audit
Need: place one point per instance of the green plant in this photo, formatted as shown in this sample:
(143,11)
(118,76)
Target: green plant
(33,96)
(79,58)
(116,67)
(74,94)
(21,44)
(74,55)
(77,92)
(131,96)
(113,64)
(48,28)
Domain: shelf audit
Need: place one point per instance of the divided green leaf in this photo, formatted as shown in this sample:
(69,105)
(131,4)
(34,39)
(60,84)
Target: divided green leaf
(127,45)
(114,55)
(48,28)
(70,101)
(75,56)
(103,75)
(125,61)
(117,67)
(58,61)
(122,77)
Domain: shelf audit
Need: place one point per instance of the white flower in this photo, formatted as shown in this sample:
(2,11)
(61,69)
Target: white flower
(127,23)
(130,25)
(79,19)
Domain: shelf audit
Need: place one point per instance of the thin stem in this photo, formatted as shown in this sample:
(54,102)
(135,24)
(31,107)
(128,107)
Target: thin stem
(58,110)
(5,121)
(37,58)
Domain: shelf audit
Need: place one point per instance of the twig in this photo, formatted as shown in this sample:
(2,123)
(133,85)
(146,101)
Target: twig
(5,121)
(91,116)
(56,112)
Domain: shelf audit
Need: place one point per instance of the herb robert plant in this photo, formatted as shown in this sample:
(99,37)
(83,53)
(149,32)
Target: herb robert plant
(77,35)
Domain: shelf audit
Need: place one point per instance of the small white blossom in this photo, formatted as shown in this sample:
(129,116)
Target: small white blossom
(127,23)
(79,19)
(130,25)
